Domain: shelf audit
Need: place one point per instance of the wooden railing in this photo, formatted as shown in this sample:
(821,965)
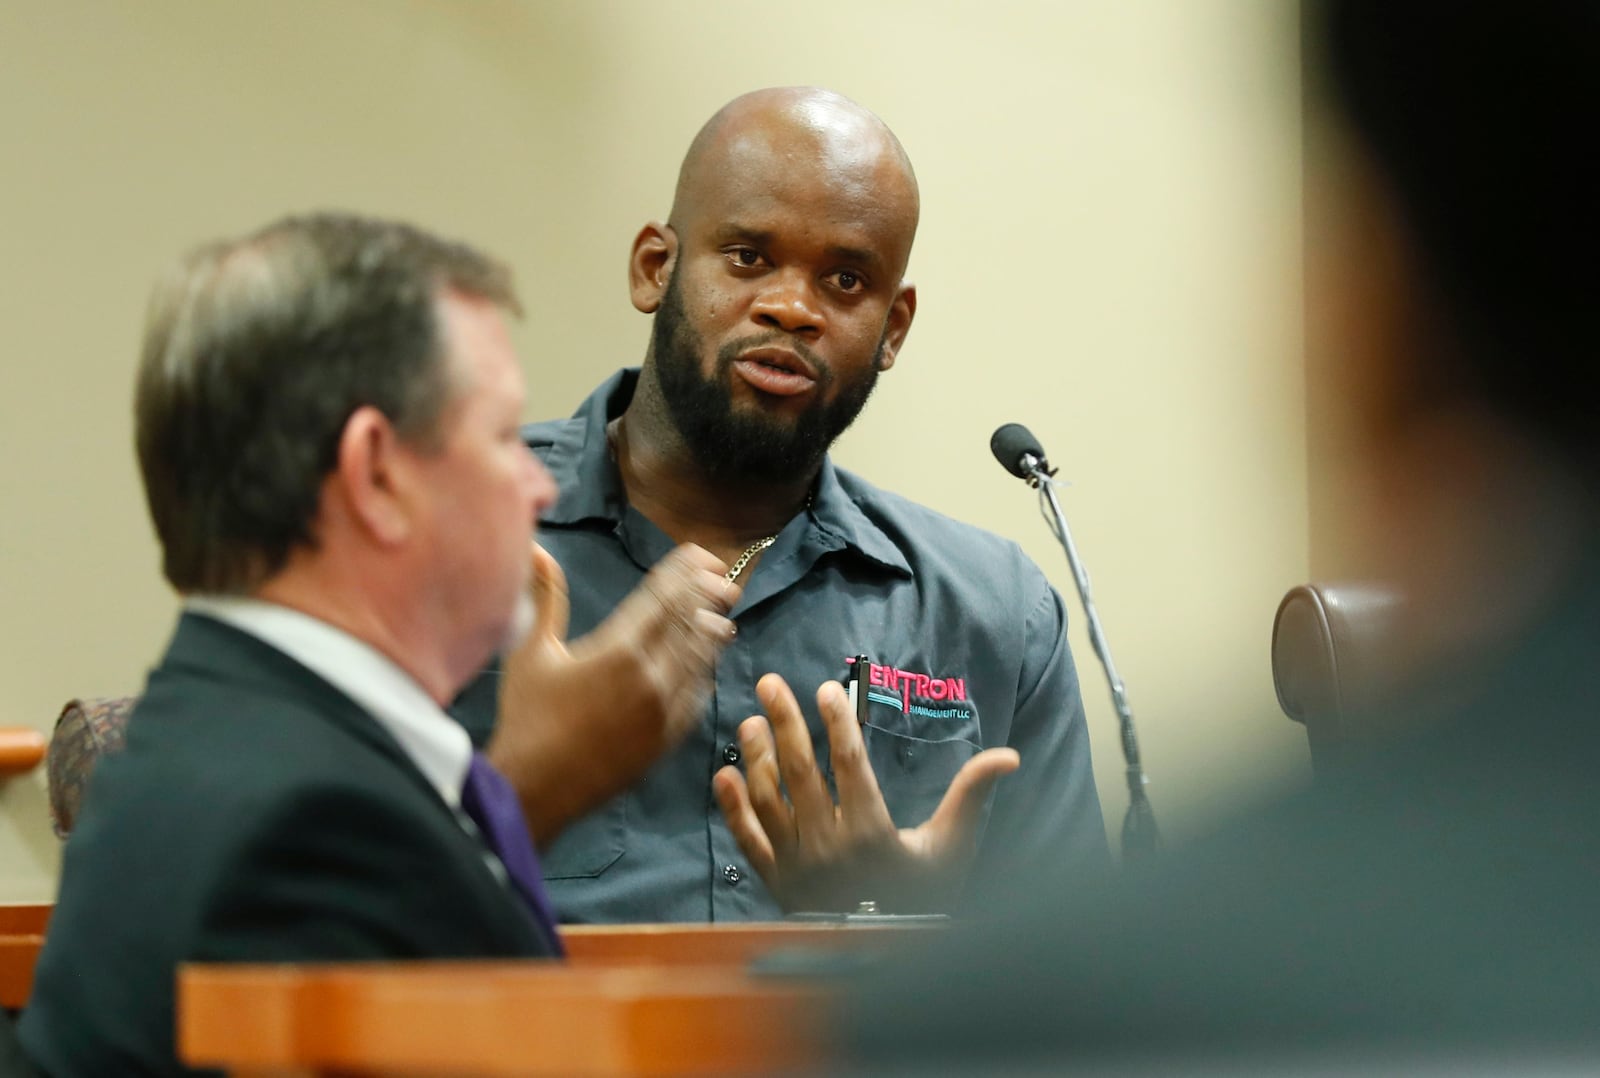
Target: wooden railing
(476,1020)
(21,935)
(629,1000)
(21,926)
(21,749)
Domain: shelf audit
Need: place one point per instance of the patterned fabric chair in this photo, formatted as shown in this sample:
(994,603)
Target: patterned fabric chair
(85,731)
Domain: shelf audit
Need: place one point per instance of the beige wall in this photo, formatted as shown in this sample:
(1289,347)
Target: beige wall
(1109,254)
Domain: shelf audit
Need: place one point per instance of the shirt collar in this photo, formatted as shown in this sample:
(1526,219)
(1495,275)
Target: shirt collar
(578,458)
(435,743)
(576,453)
(840,515)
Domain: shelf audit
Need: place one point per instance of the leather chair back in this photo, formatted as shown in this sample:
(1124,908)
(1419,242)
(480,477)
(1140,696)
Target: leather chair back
(1334,659)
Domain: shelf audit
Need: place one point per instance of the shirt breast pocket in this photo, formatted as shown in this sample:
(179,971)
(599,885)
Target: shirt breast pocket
(915,757)
(589,846)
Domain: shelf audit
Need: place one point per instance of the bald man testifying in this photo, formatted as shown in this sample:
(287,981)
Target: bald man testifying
(778,290)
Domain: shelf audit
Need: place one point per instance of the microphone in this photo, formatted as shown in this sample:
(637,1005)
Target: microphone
(1012,445)
(1020,453)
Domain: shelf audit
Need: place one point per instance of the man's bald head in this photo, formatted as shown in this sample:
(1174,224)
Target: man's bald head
(778,284)
(766,134)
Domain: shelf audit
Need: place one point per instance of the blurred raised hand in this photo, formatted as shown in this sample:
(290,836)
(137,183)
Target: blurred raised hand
(635,686)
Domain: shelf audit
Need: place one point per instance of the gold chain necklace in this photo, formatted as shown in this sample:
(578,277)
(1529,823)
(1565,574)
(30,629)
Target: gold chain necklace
(744,559)
(616,437)
(761,544)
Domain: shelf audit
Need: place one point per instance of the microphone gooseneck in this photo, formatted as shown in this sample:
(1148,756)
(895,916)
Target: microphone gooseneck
(1020,453)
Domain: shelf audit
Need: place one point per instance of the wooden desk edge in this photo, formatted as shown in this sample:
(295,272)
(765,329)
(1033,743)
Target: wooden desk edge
(725,944)
(495,1018)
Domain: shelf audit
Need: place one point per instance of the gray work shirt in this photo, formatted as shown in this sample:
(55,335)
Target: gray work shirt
(967,643)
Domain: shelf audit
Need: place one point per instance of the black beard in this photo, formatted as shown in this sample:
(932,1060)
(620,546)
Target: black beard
(746,448)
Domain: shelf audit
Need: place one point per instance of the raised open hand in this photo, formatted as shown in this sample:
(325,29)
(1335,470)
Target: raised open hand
(815,854)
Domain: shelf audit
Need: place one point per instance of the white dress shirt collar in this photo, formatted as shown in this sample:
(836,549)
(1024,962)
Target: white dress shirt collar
(435,742)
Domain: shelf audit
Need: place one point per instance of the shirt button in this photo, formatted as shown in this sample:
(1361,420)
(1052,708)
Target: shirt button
(731,873)
(731,754)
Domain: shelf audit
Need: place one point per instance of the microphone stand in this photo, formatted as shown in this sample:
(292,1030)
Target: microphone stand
(1139,833)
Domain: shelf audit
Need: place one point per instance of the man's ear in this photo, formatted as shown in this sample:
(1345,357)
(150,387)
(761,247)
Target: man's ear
(370,477)
(655,252)
(902,309)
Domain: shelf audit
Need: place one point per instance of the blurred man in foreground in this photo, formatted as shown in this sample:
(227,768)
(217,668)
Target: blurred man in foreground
(327,421)
(1431,903)
(778,290)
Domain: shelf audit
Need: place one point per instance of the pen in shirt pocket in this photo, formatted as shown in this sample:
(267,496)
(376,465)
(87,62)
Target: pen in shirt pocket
(860,672)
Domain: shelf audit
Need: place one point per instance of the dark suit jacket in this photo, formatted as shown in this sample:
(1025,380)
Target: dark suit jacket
(12,1062)
(257,815)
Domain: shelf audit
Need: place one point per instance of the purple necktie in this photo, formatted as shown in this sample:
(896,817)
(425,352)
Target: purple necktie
(493,805)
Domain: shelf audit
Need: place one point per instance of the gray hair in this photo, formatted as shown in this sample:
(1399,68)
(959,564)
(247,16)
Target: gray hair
(256,353)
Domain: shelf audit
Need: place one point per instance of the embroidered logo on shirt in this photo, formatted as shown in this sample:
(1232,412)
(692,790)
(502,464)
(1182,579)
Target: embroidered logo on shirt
(909,683)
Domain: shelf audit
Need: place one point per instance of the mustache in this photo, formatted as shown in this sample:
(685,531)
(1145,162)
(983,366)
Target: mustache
(730,352)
